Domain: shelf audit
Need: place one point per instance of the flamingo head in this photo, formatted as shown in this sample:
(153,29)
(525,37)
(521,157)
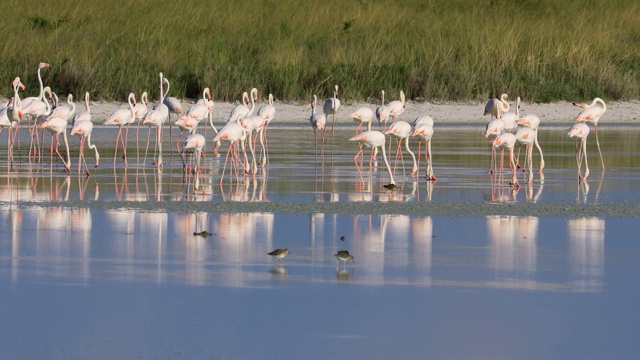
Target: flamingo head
(43,65)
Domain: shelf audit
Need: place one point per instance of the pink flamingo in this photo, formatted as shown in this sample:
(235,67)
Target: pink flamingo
(401,130)
(510,119)
(592,113)
(120,118)
(396,107)
(533,121)
(140,108)
(373,139)
(526,136)
(268,112)
(240,110)
(194,143)
(424,130)
(234,133)
(83,115)
(331,106)
(65,111)
(172,103)
(56,125)
(251,124)
(496,106)
(318,122)
(5,123)
(382,112)
(14,112)
(84,130)
(362,115)
(580,131)
(508,141)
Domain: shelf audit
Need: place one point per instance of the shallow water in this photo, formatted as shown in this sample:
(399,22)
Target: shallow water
(108,266)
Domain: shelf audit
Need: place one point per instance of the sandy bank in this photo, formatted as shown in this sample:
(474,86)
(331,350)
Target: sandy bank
(560,113)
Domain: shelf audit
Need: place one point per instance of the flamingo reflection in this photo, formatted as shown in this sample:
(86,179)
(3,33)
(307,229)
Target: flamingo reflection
(513,253)
(586,252)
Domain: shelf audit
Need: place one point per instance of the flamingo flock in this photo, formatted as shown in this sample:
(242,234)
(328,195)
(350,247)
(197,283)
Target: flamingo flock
(242,128)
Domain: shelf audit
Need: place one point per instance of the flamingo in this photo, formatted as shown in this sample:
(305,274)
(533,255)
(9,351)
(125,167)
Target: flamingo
(36,108)
(592,113)
(331,106)
(533,121)
(373,139)
(318,122)
(401,130)
(526,136)
(122,117)
(84,129)
(251,124)
(396,107)
(172,103)
(382,111)
(239,110)
(14,112)
(156,118)
(494,128)
(57,125)
(140,108)
(83,115)
(268,112)
(362,115)
(510,119)
(5,123)
(65,111)
(27,100)
(579,131)
(508,141)
(234,133)
(496,106)
(424,130)
(194,143)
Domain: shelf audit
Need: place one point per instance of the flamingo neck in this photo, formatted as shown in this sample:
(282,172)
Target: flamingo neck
(386,163)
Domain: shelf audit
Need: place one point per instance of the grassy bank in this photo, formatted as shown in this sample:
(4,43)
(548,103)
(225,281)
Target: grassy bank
(541,50)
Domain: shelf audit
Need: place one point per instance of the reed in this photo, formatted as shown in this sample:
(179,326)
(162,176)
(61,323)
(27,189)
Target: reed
(541,50)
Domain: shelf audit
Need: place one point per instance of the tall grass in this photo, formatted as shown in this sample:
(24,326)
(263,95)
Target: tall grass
(541,50)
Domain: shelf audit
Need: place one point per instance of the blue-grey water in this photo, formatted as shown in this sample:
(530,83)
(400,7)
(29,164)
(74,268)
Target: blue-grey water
(87,274)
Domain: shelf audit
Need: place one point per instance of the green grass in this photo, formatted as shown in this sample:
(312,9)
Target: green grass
(541,50)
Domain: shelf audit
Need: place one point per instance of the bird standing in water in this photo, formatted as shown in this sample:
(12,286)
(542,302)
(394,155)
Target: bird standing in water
(279,254)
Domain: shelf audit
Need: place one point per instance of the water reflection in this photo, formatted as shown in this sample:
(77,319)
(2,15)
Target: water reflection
(229,249)
(586,252)
(513,250)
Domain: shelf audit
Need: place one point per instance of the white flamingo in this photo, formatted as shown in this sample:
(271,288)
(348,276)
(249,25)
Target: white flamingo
(331,106)
(382,112)
(373,139)
(397,107)
(317,122)
(401,130)
(592,113)
(120,118)
(580,132)
(84,130)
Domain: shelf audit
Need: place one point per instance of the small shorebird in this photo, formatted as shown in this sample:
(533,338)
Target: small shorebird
(344,256)
(279,254)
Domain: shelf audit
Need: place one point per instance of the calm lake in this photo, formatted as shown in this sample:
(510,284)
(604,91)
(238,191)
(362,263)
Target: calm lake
(108,266)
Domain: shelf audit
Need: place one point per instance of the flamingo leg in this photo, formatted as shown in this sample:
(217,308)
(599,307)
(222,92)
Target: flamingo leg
(599,151)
